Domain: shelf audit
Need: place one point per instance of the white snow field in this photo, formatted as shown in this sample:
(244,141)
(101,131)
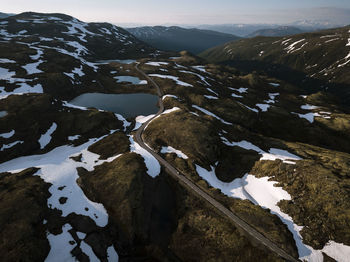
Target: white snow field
(58,168)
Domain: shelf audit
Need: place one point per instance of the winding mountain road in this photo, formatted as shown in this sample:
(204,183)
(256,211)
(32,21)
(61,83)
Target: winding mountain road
(194,188)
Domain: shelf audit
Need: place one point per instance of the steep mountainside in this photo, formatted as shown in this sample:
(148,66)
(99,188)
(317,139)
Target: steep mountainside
(318,61)
(279,31)
(177,39)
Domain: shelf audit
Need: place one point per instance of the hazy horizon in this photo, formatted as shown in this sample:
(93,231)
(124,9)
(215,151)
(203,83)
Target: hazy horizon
(181,12)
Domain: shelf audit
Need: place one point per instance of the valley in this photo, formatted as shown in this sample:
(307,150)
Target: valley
(113,150)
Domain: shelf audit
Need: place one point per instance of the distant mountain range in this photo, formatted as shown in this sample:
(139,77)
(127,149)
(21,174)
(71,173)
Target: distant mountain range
(176,38)
(247,30)
(279,31)
(322,55)
(4,15)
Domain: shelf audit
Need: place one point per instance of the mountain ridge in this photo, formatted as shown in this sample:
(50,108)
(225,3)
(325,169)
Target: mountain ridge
(176,38)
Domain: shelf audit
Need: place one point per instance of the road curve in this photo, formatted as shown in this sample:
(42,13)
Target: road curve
(193,187)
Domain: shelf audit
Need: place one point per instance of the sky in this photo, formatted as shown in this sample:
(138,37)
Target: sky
(151,12)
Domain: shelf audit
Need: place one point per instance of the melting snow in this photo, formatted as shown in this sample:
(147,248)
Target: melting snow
(272,97)
(73,138)
(264,193)
(112,255)
(142,119)
(237,96)
(240,90)
(212,91)
(172,96)
(200,68)
(202,78)
(10,145)
(211,97)
(211,114)
(168,111)
(60,246)
(152,164)
(274,84)
(58,169)
(156,63)
(272,155)
(174,78)
(89,252)
(309,107)
(33,68)
(251,109)
(263,107)
(169,149)
(7,135)
(125,122)
(6,61)
(46,138)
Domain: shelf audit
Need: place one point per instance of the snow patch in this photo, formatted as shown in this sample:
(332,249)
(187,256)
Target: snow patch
(263,107)
(7,135)
(211,114)
(174,78)
(152,164)
(58,169)
(141,120)
(33,68)
(156,63)
(112,255)
(169,150)
(211,97)
(6,61)
(10,145)
(272,155)
(60,246)
(46,138)
(73,138)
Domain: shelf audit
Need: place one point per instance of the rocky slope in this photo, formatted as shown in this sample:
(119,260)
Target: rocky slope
(317,61)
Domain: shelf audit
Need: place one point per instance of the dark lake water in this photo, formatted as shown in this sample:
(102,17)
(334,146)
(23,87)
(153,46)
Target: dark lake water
(128,105)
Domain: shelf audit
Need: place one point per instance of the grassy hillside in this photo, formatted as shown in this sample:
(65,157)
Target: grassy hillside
(279,31)
(314,61)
